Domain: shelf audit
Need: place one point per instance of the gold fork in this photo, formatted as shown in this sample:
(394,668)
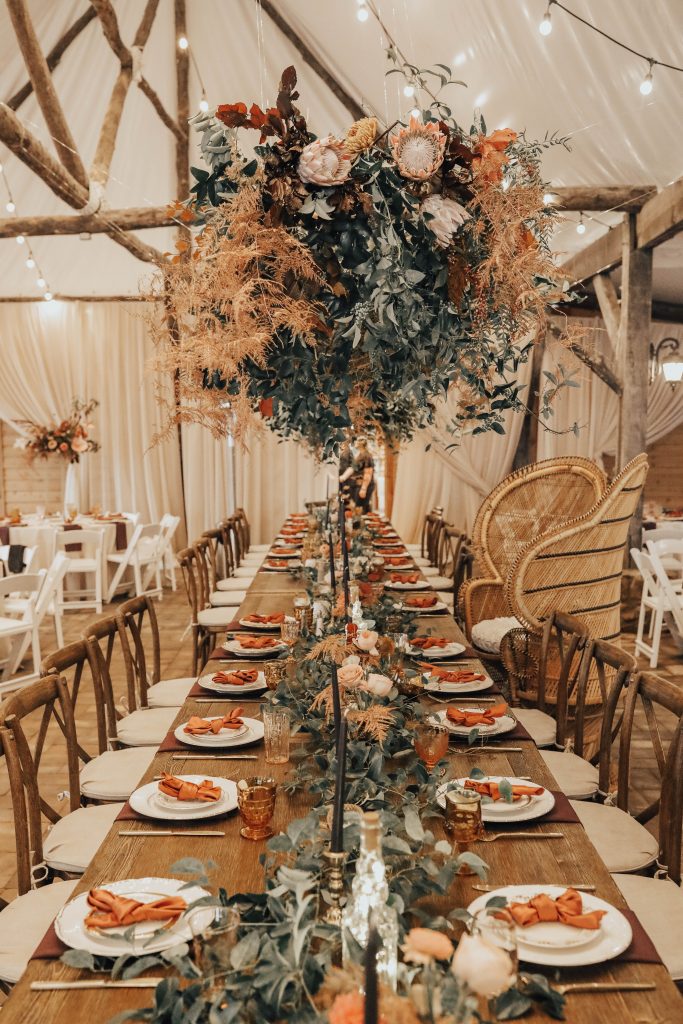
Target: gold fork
(520,835)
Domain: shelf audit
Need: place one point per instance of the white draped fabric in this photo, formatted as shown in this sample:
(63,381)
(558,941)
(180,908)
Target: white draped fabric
(456,475)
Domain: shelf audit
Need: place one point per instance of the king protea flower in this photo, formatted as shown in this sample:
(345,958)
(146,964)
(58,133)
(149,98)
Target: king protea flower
(418,149)
(446,216)
(324,162)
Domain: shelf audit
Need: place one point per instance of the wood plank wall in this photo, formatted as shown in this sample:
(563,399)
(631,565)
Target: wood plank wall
(664,483)
(24,485)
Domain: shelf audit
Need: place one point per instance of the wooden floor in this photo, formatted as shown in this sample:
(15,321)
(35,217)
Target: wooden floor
(173,615)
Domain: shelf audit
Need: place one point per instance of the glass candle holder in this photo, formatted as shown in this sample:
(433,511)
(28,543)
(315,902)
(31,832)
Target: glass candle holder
(463,822)
(277,727)
(303,613)
(213,941)
(256,802)
(274,673)
(500,933)
(431,743)
(289,631)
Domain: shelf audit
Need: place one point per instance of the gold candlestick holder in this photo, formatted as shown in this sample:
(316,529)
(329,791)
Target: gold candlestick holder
(333,883)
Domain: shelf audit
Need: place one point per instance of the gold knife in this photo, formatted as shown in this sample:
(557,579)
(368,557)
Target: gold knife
(605,986)
(167,832)
(61,986)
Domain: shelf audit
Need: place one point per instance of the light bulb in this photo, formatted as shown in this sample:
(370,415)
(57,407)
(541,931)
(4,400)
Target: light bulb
(546,26)
(20,239)
(581,228)
(204,105)
(183,43)
(30,262)
(1,168)
(10,207)
(548,198)
(48,296)
(41,282)
(408,90)
(362,14)
(647,84)
(415,112)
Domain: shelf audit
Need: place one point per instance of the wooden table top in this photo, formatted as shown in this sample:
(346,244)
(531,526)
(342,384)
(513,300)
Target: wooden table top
(572,859)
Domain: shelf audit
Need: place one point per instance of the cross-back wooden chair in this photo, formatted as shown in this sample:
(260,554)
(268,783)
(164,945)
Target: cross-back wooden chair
(71,663)
(205,621)
(141,648)
(453,560)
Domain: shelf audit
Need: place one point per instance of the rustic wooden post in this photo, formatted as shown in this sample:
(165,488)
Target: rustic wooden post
(390,466)
(527,446)
(634,341)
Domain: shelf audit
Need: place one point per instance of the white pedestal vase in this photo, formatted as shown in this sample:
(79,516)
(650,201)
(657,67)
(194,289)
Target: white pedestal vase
(72,486)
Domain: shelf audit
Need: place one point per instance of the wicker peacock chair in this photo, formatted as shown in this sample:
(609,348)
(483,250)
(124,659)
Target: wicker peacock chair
(528,504)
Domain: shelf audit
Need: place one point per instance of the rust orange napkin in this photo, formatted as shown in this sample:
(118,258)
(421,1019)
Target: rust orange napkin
(201,726)
(281,550)
(181,789)
(110,911)
(488,716)
(425,643)
(567,909)
(257,643)
(276,619)
(273,563)
(454,675)
(240,677)
(396,561)
(492,789)
(421,601)
(405,577)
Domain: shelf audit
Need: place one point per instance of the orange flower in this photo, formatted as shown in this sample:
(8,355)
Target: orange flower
(348,1008)
(490,150)
(501,138)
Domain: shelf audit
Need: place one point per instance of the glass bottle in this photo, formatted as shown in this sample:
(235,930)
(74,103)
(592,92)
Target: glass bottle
(370,891)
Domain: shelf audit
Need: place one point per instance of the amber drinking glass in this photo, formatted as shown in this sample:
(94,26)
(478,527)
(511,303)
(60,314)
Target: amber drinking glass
(431,743)
(289,631)
(256,802)
(274,673)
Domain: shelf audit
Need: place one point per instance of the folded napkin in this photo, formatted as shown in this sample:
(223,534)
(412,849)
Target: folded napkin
(276,619)
(201,726)
(425,643)
(258,643)
(396,561)
(170,785)
(240,677)
(461,675)
(273,563)
(567,909)
(421,601)
(487,716)
(110,911)
(492,789)
(281,550)
(405,577)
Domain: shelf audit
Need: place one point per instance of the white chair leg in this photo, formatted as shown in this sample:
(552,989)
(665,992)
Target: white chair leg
(138,578)
(35,644)
(59,630)
(656,637)
(641,626)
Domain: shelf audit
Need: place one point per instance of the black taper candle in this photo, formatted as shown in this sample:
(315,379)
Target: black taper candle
(337,842)
(371,994)
(333,578)
(336,705)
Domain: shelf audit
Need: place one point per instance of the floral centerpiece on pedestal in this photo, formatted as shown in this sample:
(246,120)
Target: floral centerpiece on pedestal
(70,438)
(351,282)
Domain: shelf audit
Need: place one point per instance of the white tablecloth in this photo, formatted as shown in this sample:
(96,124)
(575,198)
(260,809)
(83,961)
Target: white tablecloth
(41,533)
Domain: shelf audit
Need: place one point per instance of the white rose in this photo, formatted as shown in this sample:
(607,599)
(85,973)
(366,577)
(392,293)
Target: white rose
(487,970)
(366,639)
(377,684)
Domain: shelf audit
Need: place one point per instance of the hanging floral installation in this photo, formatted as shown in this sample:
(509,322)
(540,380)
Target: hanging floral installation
(350,283)
(70,439)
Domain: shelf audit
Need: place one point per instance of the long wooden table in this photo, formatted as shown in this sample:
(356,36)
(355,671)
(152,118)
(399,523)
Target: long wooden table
(571,859)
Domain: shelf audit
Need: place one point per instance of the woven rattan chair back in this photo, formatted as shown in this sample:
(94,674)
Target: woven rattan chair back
(71,662)
(40,775)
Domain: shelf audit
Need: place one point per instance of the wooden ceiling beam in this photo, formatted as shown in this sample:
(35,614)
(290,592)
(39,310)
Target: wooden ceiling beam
(662,311)
(601,256)
(45,91)
(594,198)
(55,55)
(608,301)
(134,219)
(314,62)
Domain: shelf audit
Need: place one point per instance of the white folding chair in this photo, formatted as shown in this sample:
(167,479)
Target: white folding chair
(28,557)
(85,560)
(673,614)
(48,599)
(169,525)
(22,631)
(653,600)
(133,517)
(670,550)
(122,560)
(149,556)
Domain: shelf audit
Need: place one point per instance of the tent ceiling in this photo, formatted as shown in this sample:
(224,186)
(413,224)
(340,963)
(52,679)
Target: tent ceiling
(571,82)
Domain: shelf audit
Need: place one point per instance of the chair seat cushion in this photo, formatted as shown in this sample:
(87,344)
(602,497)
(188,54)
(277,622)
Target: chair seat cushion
(488,634)
(429,569)
(231,583)
(244,574)
(439,582)
(258,548)
(219,618)
(225,599)
(658,903)
(114,774)
(23,924)
(446,598)
(424,563)
(170,693)
(145,727)
(622,842)
(541,727)
(72,843)
(8,625)
(578,779)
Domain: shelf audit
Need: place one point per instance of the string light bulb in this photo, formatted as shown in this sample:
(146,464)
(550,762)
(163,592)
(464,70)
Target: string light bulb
(362,13)
(548,198)
(183,43)
(10,207)
(204,105)
(41,282)
(48,296)
(546,26)
(415,112)
(20,239)
(409,90)
(581,227)
(647,83)
(30,262)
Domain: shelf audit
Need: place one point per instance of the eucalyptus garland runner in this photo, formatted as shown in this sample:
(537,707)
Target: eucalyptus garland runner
(351,282)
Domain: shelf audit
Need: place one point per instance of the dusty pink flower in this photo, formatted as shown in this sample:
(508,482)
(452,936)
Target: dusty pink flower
(366,639)
(422,945)
(377,684)
(487,970)
(79,444)
(350,675)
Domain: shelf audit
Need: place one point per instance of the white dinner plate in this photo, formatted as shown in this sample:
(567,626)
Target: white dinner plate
(281,568)
(260,627)
(148,800)
(287,558)
(235,647)
(207,683)
(435,685)
(70,927)
(524,809)
(436,609)
(420,585)
(251,732)
(505,723)
(452,650)
(551,945)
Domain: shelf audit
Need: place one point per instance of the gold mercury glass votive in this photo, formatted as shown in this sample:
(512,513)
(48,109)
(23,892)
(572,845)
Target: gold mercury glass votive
(274,673)
(256,802)
(463,823)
